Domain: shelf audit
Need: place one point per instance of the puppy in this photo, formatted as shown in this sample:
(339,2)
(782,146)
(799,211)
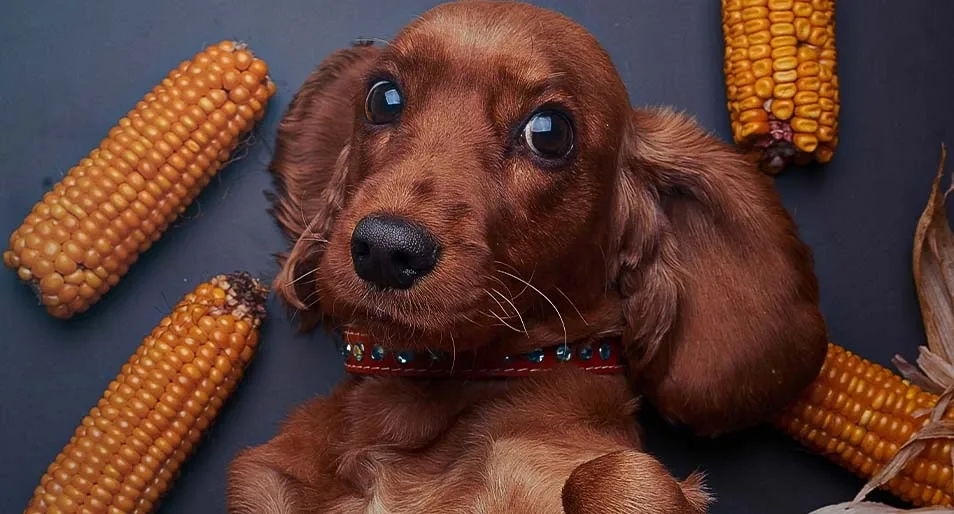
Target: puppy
(480,191)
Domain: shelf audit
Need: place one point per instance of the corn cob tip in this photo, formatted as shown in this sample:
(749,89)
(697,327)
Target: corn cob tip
(781,78)
(777,149)
(245,296)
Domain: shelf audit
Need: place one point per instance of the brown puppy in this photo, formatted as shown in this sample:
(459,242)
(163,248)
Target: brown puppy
(482,184)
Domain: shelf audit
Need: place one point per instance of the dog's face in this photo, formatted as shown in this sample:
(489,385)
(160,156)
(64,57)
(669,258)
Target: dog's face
(481,161)
(482,181)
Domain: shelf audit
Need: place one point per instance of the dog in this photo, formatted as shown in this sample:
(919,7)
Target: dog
(480,190)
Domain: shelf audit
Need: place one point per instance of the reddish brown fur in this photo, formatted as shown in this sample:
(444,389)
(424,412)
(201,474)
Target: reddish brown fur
(653,230)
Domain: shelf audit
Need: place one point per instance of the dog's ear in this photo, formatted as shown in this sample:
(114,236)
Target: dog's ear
(311,170)
(719,294)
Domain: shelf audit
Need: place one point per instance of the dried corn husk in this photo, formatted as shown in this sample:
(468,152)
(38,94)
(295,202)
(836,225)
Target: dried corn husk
(933,266)
(872,508)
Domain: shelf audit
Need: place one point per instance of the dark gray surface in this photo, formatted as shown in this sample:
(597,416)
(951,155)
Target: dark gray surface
(69,70)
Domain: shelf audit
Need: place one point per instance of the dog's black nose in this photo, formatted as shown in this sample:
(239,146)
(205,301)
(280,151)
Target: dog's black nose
(391,252)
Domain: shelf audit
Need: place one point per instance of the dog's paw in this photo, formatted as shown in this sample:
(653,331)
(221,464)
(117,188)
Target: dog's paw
(631,482)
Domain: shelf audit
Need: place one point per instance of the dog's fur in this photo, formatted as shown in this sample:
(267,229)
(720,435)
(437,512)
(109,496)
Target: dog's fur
(651,230)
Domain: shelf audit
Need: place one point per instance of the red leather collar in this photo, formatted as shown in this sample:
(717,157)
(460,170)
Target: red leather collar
(364,357)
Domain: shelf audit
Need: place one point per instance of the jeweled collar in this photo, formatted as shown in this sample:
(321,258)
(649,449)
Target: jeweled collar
(365,357)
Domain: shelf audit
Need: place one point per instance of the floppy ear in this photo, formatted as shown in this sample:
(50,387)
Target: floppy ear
(311,169)
(720,298)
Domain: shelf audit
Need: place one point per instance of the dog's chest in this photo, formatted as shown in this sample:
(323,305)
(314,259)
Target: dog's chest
(512,454)
(511,475)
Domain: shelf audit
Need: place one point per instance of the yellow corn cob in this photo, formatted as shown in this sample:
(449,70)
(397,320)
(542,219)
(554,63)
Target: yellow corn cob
(782,79)
(858,414)
(127,451)
(83,236)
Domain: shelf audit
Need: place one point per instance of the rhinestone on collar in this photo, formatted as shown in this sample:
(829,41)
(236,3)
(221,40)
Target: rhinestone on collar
(354,347)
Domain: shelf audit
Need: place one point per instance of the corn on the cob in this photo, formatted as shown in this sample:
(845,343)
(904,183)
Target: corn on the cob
(858,414)
(128,450)
(82,237)
(782,79)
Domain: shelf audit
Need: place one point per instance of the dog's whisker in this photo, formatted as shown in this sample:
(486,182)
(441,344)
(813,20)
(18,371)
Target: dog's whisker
(502,321)
(304,222)
(470,320)
(515,270)
(508,300)
(303,275)
(508,325)
(545,297)
(515,310)
(308,226)
(312,304)
(313,293)
(357,304)
(453,352)
(490,313)
(580,314)
(529,281)
(502,308)
(502,283)
(413,329)
(315,239)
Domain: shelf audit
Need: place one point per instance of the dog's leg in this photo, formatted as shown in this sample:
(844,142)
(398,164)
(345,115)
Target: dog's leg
(255,486)
(290,474)
(631,482)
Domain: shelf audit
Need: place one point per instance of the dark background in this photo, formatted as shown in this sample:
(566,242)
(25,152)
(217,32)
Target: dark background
(69,70)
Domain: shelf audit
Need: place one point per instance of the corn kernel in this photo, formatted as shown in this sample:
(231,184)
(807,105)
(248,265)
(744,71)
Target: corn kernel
(785,76)
(757,52)
(753,26)
(757,114)
(755,127)
(807,53)
(760,38)
(803,28)
(782,29)
(781,17)
(764,87)
(803,9)
(818,36)
(785,63)
(812,111)
(785,90)
(783,109)
(754,13)
(762,68)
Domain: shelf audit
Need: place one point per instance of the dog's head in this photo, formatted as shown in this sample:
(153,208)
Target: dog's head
(483,180)
(485,147)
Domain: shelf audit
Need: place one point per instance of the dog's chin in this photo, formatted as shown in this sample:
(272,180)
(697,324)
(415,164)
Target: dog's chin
(400,320)
(396,329)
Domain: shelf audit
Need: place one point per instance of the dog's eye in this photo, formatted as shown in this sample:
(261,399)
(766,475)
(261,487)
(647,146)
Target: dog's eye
(384,102)
(549,134)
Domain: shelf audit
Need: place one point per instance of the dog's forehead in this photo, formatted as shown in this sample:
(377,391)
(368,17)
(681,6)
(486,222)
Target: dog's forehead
(509,57)
(523,41)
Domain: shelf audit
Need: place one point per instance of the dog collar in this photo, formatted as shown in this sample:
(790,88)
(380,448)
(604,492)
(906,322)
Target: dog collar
(363,356)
